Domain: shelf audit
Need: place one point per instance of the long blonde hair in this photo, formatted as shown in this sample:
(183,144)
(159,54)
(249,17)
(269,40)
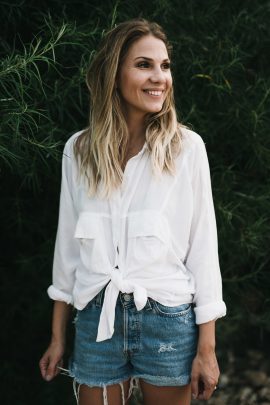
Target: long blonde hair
(100,149)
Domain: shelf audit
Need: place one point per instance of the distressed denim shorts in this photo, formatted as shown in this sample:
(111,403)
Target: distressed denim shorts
(156,344)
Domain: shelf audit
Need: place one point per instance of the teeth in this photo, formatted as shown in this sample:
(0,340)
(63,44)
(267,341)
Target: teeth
(153,93)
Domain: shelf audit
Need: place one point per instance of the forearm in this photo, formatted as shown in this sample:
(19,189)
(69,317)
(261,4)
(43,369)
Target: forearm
(61,315)
(207,339)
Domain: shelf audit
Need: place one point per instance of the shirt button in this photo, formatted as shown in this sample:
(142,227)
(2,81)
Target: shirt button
(127,297)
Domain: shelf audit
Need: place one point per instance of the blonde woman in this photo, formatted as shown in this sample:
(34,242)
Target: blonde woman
(136,246)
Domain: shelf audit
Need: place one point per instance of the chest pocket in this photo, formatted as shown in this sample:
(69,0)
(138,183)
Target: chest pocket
(89,230)
(148,238)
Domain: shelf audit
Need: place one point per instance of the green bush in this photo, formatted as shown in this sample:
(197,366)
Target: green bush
(222,88)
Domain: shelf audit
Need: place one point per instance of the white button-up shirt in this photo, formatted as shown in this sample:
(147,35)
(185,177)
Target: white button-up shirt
(154,237)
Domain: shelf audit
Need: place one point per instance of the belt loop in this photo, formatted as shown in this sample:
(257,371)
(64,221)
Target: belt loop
(99,297)
(148,305)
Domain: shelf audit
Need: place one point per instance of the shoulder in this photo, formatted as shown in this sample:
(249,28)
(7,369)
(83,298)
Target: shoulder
(193,147)
(68,147)
(194,153)
(191,140)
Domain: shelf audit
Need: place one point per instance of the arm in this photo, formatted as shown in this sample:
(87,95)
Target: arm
(53,357)
(205,370)
(202,259)
(66,254)
(203,263)
(66,250)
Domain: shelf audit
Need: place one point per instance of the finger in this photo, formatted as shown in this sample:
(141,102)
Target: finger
(43,364)
(52,370)
(194,386)
(207,394)
(207,391)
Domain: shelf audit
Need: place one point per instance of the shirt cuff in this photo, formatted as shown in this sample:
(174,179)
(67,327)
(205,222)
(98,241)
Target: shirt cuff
(58,295)
(210,312)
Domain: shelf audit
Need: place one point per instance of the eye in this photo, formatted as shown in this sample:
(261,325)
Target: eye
(143,64)
(166,66)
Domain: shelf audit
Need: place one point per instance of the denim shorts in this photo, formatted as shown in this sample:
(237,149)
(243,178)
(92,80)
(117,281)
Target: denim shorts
(156,344)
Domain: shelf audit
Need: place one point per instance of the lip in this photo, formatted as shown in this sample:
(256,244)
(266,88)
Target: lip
(154,90)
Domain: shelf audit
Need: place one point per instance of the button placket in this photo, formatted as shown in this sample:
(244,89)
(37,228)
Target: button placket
(115,204)
(119,205)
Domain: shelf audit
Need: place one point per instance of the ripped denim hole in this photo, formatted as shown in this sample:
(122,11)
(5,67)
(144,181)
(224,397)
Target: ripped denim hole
(163,347)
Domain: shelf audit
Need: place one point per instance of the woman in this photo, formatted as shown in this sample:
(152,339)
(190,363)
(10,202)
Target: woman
(136,247)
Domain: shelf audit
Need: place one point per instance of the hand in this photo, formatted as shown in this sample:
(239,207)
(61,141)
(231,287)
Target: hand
(51,359)
(204,375)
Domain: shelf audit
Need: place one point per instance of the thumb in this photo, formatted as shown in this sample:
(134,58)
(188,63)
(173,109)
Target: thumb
(194,386)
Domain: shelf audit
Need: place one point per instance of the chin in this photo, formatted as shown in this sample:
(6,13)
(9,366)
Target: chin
(154,109)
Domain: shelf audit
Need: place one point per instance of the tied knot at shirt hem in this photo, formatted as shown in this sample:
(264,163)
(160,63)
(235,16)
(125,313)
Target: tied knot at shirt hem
(126,286)
(116,285)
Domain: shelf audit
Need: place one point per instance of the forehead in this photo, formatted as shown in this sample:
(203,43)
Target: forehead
(148,46)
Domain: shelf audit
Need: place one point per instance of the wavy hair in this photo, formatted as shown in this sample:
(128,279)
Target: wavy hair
(100,148)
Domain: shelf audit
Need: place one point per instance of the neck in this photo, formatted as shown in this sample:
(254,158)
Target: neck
(136,127)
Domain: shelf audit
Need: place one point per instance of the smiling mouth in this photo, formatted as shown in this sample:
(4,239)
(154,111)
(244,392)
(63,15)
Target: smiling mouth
(155,93)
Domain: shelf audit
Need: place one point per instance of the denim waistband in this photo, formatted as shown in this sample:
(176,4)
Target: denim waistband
(122,299)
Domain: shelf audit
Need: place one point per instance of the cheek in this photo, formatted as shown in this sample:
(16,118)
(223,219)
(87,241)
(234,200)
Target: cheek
(129,85)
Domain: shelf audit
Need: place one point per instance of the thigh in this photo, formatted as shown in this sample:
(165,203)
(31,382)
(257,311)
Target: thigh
(155,395)
(114,394)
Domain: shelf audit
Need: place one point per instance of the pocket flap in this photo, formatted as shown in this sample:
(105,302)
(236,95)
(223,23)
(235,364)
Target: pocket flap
(147,224)
(88,226)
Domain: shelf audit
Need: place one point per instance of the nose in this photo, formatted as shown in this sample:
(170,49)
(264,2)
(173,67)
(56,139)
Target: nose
(158,76)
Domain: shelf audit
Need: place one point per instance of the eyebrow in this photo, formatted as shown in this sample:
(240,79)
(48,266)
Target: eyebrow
(150,59)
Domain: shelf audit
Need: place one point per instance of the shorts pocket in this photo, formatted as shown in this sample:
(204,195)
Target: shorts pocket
(172,312)
(87,321)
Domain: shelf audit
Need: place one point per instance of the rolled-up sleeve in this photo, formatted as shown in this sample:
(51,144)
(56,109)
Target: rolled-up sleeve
(202,260)
(66,251)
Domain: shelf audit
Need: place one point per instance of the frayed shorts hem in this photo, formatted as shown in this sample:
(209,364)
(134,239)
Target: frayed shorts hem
(153,380)
(98,384)
(164,381)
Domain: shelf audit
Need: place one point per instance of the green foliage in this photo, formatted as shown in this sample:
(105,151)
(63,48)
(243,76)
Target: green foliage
(222,87)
